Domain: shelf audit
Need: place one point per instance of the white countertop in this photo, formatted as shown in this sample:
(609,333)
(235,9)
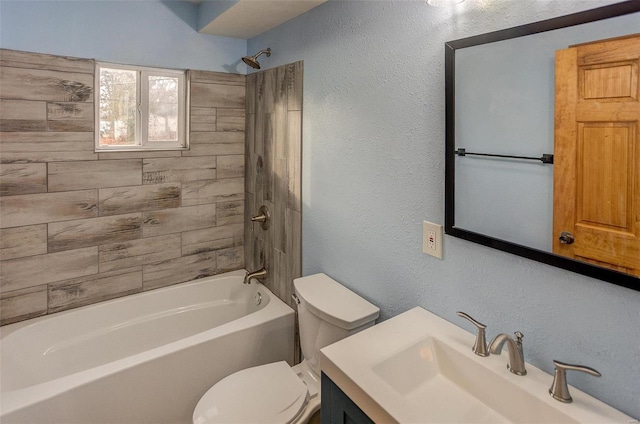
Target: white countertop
(370,368)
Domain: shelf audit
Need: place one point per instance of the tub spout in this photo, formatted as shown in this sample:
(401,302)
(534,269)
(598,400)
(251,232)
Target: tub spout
(259,275)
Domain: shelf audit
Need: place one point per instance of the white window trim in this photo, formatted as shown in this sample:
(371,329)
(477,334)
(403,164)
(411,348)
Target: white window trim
(142,88)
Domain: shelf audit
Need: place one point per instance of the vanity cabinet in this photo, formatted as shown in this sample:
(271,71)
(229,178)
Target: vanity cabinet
(337,408)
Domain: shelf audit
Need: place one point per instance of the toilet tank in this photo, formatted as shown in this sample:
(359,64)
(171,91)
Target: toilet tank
(328,312)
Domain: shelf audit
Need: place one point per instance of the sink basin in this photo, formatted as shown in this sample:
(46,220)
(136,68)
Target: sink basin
(419,368)
(449,387)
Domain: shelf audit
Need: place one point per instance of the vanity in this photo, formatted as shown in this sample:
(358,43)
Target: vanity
(419,368)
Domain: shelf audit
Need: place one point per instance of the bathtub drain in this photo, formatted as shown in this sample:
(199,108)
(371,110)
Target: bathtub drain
(258,298)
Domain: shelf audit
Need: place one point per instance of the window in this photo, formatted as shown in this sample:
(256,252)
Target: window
(140,108)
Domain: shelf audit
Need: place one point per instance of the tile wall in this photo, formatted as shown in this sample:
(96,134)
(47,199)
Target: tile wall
(78,227)
(273,179)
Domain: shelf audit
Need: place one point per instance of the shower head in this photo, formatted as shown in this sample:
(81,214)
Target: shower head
(253,60)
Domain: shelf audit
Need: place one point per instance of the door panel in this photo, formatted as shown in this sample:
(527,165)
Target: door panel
(597,153)
(605,192)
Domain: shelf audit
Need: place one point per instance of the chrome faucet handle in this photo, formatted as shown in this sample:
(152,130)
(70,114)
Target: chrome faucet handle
(480,346)
(559,389)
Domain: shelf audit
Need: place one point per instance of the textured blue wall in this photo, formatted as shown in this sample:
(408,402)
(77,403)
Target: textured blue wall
(373,170)
(149,33)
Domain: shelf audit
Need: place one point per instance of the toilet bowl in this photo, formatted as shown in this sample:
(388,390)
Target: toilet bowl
(277,392)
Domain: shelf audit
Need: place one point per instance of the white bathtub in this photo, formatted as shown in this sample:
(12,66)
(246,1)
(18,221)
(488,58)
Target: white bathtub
(146,358)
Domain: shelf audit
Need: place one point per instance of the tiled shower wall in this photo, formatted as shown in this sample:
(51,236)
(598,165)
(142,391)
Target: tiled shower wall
(273,178)
(79,227)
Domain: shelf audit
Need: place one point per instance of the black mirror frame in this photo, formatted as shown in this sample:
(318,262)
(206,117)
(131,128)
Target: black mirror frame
(605,12)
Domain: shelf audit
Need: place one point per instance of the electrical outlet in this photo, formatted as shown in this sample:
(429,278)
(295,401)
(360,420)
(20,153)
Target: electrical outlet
(432,239)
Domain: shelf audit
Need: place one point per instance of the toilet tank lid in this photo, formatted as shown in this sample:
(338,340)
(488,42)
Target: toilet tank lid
(334,302)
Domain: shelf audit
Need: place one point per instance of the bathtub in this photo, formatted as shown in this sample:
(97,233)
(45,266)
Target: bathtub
(146,358)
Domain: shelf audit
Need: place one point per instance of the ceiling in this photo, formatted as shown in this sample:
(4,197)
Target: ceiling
(247,18)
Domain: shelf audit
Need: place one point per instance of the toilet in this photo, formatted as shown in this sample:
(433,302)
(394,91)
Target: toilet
(277,392)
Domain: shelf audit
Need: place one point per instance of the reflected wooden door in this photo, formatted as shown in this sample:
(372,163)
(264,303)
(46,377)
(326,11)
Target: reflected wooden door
(597,154)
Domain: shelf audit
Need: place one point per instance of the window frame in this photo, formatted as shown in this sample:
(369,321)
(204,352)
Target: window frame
(142,109)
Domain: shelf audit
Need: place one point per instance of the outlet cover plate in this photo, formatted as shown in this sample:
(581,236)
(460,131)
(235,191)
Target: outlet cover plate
(432,239)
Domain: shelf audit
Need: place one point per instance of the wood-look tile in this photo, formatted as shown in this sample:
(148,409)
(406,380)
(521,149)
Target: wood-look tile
(216,78)
(230,259)
(17,274)
(268,156)
(38,84)
(258,136)
(140,155)
(79,175)
(115,201)
(22,115)
(20,59)
(184,169)
(218,127)
(281,85)
(265,89)
(294,85)
(19,305)
(177,220)
(280,116)
(259,94)
(230,120)
(215,143)
(293,223)
(249,229)
(229,213)
(212,233)
(212,77)
(212,191)
(25,147)
(266,259)
(185,268)
(250,155)
(27,178)
(279,271)
(47,108)
(19,242)
(260,182)
(250,100)
(95,288)
(256,247)
(214,149)
(203,119)
(79,233)
(273,174)
(139,252)
(28,209)
(213,238)
(230,166)
(294,160)
(70,116)
(217,95)
(278,228)
(229,137)
(212,245)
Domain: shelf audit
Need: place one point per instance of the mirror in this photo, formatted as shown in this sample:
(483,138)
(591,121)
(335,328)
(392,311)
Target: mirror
(501,156)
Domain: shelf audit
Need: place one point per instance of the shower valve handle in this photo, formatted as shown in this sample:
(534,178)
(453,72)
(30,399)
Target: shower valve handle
(262,217)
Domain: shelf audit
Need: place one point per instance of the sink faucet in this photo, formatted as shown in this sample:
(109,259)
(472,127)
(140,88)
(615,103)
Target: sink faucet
(259,275)
(516,357)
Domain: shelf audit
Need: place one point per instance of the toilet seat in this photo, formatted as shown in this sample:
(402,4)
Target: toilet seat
(271,393)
